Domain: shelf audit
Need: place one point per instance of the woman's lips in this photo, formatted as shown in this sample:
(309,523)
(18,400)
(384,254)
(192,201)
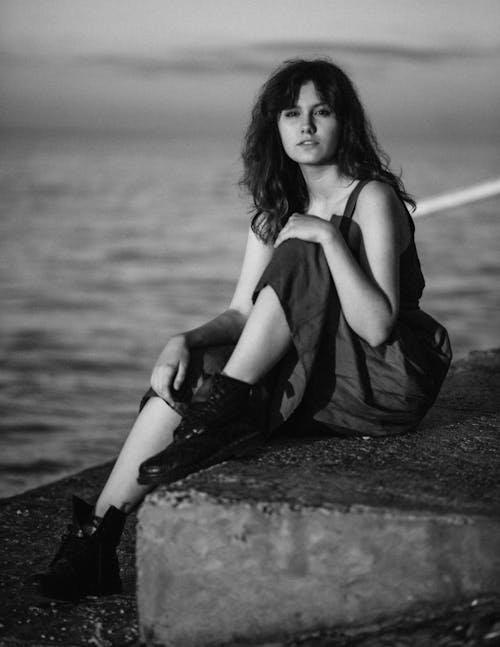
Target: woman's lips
(308,142)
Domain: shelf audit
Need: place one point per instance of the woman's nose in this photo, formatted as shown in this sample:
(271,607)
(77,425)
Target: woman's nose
(307,125)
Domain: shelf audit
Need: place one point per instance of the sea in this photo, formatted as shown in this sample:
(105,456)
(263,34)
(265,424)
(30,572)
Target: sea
(111,243)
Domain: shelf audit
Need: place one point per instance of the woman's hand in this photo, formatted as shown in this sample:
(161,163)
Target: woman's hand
(171,367)
(308,228)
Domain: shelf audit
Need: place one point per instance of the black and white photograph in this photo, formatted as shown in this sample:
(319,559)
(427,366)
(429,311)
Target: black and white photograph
(250,323)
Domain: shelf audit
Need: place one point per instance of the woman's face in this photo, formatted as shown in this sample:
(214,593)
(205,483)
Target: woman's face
(309,130)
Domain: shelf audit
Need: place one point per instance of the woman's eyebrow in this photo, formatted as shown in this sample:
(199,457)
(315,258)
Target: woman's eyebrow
(315,105)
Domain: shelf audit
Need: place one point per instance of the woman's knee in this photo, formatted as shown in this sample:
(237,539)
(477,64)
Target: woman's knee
(203,363)
(294,248)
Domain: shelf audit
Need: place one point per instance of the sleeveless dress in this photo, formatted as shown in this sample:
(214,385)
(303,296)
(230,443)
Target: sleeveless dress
(331,375)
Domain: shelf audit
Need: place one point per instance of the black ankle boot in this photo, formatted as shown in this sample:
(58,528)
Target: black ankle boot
(211,432)
(86,562)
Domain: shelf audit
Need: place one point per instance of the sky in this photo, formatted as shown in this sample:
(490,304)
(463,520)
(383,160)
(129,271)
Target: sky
(177,66)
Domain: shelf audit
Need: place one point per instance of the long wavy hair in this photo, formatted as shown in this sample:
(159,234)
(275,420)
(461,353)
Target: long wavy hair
(274,181)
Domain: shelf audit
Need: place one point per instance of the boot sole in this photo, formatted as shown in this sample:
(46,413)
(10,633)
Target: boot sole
(241,448)
(67,595)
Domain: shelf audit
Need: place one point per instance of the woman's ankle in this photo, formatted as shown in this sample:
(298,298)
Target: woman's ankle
(238,375)
(101,507)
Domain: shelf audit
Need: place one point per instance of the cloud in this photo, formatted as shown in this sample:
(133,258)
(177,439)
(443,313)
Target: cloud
(154,66)
(261,58)
(380,50)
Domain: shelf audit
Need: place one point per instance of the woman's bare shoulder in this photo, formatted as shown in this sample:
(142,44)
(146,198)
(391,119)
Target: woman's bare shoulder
(379,208)
(256,242)
(378,195)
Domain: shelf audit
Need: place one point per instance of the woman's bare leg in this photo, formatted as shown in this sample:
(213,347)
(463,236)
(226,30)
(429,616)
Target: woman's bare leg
(151,433)
(263,342)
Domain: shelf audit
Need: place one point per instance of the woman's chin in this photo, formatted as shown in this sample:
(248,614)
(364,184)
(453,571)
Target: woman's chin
(311,160)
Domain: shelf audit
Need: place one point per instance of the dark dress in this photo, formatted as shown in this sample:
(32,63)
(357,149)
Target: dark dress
(331,375)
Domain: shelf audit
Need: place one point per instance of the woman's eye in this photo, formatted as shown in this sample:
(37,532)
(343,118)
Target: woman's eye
(324,112)
(291,113)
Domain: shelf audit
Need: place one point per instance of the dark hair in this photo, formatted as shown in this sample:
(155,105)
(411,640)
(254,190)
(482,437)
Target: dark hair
(274,180)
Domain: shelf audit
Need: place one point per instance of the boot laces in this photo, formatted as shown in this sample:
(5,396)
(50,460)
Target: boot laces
(207,409)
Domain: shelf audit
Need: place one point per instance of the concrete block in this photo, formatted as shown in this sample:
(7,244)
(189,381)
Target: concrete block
(324,532)
(214,572)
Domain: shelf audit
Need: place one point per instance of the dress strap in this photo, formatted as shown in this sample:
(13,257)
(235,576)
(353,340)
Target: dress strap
(350,206)
(353,198)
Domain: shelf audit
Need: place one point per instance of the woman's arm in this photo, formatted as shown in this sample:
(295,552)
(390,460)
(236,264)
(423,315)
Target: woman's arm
(226,328)
(369,290)
(171,367)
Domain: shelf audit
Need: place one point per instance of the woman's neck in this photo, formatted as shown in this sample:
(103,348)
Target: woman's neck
(327,188)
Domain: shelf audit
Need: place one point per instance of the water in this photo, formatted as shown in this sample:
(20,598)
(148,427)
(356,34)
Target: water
(111,244)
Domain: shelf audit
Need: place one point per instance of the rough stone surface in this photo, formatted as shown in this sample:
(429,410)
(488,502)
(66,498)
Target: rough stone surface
(31,524)
(30,527)
(319,531)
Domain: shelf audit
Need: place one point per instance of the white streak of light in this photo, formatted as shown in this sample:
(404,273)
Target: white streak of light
(428,206)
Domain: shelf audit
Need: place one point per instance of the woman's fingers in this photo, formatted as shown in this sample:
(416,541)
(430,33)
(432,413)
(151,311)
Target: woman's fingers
(288,231)
(307,228)
(285,233)
(181,374)
(161,381)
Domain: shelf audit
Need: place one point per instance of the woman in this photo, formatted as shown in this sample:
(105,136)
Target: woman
(324,322)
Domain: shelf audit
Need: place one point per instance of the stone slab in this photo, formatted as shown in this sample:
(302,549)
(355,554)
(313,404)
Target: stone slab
(316,531)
